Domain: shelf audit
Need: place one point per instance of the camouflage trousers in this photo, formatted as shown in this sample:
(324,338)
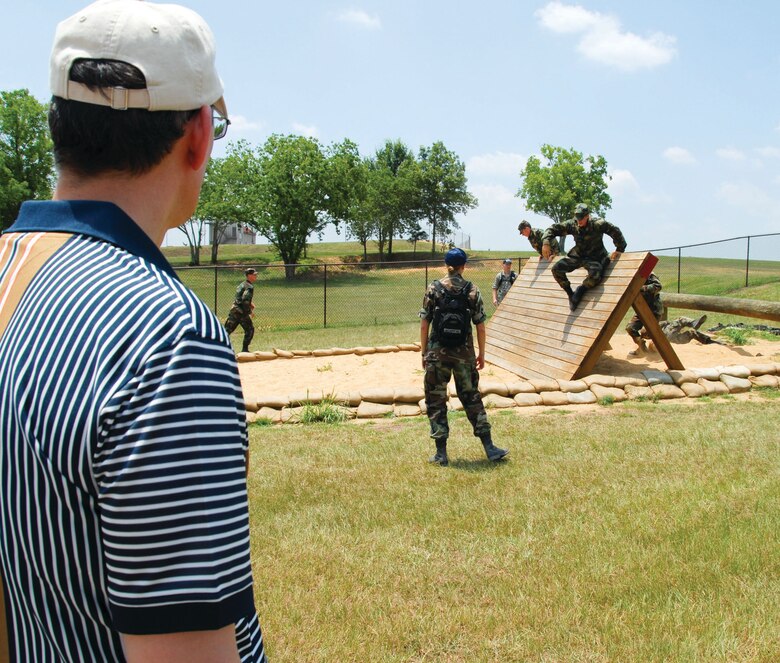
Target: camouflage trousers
(235,318)
(568,264)
(681,330)
(438,369)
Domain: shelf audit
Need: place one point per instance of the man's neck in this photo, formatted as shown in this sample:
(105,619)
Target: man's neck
(149,199)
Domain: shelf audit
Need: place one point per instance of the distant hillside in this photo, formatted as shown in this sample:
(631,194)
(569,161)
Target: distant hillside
(233,254)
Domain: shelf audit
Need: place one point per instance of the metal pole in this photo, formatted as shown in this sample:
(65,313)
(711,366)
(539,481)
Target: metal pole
(747,262)
(679,259)
(426,274)
(215,290)
(325,296)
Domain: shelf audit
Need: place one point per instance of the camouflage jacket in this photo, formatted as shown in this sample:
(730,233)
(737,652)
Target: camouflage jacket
(650,291)
(535,240)
(242,304)
(589,240)
(503,282)
(476,307)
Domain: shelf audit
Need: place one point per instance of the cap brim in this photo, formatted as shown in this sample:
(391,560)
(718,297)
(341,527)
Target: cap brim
(220,105)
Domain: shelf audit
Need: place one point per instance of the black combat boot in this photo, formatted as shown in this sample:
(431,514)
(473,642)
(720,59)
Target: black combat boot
(440,457)
(698,322)
(491,451)
(576,297)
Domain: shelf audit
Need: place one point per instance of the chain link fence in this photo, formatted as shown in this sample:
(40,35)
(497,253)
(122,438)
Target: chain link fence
(360,294)
(335,294)
(717,268)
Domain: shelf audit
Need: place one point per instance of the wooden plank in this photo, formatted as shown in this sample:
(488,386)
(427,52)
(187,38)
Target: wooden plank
(525,365)
(665,348)
(548,329)
(565,351)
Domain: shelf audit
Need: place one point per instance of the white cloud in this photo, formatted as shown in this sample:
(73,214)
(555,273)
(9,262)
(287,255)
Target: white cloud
(305,130)
(604,41)
(730,154)
(502,164)
(749,199)
(678,155)
(241,124)
(495,196)
(622,180)
(769,152)
(360,19)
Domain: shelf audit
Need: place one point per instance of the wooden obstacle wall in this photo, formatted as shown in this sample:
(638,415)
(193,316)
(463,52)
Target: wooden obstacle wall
(533,333)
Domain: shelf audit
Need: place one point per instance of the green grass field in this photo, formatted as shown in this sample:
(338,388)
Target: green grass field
(642,532)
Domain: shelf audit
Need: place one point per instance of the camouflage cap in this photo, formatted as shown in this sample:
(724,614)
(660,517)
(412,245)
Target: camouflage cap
(581,210)
(250,270)
(523,225)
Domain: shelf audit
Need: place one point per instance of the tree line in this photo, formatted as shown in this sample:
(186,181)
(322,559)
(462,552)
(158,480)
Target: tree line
(293,187)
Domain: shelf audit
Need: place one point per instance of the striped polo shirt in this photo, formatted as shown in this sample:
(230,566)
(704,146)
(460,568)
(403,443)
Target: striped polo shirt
(123,503)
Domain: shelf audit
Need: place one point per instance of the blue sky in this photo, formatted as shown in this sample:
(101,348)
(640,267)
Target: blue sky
(680,97)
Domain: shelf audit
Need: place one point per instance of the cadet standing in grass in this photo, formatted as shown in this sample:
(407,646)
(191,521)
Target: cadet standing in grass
(503,281)
(449,307)
(242,310)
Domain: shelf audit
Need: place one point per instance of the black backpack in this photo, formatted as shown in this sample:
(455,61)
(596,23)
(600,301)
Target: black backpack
(451,317)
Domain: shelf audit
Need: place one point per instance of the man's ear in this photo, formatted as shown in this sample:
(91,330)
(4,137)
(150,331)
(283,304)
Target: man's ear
(199,135)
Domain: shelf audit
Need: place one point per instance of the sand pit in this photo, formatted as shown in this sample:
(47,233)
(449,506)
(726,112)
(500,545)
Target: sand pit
(346,373)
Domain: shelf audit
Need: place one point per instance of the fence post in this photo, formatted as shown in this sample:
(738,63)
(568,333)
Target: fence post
(325,296)
(425,285)
(747,262)
(216,310)
(679,259)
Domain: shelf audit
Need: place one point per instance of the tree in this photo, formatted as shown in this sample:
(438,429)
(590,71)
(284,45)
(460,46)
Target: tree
(395,182)
(415,235)
(442,189)
(361,224)
(193,230)
(229,193)
(294,187)
(26,160)
(566,177)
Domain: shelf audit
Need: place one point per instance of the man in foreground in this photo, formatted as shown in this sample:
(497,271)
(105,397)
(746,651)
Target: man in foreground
(503,281)
(588,251)
(242,310)
(122,416)
(449,307)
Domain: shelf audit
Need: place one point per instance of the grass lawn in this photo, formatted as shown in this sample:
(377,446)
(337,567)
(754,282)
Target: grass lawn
(638,532)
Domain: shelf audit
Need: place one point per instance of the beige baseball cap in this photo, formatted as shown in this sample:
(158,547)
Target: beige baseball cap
(172,46)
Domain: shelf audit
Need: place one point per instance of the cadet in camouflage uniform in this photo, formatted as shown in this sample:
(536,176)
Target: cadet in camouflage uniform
(503,281)
(441,362)
(535,239)
(588,251)
(685,330)
(241,311)
(650,291)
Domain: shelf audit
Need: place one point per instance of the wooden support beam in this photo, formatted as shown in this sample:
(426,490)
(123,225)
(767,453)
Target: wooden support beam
(662,343)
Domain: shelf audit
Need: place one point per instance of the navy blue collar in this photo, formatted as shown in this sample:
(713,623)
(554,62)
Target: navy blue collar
(94,218)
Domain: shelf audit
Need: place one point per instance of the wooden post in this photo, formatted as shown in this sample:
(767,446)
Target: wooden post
(751,308)
(665,348)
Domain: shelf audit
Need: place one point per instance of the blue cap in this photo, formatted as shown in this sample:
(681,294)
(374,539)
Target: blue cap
(455,257)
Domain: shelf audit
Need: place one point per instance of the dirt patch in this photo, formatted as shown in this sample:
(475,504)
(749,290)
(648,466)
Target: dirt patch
(347,373)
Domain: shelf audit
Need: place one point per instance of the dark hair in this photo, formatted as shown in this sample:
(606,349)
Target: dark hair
(91,139)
